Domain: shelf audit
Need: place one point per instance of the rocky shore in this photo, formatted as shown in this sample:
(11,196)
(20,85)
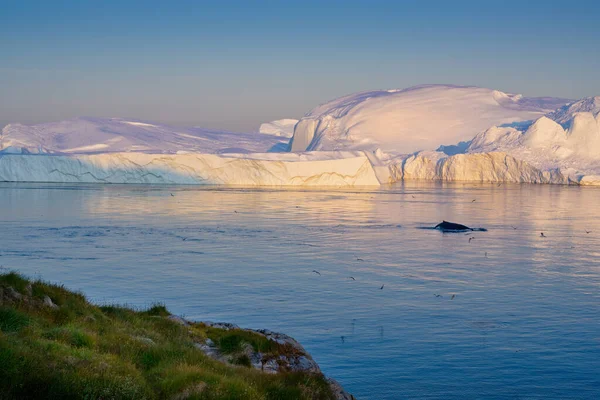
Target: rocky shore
(54,339)
(297,358)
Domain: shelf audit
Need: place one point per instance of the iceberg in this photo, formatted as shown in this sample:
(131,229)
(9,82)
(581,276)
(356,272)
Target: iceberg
(103,135)
(364,139)
(414,119)
(280,127)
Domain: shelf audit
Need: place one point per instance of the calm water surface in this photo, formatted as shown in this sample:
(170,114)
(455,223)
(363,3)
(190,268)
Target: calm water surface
(524,322)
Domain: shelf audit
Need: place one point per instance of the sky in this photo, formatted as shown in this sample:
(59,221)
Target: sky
(234,64)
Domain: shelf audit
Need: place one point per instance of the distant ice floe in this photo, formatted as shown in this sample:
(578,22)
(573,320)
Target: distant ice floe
(280,127)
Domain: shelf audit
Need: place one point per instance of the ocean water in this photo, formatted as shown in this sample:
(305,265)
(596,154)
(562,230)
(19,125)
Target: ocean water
(502,314)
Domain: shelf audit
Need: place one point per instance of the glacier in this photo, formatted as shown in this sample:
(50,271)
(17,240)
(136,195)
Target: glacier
(428,132)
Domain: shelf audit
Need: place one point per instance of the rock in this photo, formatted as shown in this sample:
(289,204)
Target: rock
(256,359)
(300,363)
(220,325)
(12,294)
(48,302)
(338,390)
(211,351)
(297,359)
(271,366)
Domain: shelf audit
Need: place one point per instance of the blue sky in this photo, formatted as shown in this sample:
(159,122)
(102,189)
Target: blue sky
(234,64)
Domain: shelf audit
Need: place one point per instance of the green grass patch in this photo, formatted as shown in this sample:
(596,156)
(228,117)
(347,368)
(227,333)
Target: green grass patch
(12,320)
(157,310)
(231,341)
(84,351)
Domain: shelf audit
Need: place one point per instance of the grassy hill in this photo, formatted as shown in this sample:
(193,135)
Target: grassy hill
(54,344)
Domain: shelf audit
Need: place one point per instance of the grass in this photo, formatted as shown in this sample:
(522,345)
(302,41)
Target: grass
(84,351)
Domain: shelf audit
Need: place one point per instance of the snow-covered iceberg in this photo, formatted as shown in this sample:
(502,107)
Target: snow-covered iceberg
(103,135)
(418,118)
(560,147)
(115,150)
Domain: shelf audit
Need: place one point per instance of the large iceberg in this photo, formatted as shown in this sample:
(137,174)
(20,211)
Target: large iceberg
(433,132)
(562,146)
(115,150)
(418,118)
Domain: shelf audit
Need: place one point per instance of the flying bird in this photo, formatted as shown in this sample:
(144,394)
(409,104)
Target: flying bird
(542,234)
(438,295)
(316,272)
(472,201)
(471,238)
(453,296)
(351,277)
(486,254)
(381,288)
(514,227)
(172,195)
(588,231)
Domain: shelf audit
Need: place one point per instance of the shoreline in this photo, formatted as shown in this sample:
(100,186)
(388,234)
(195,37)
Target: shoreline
(55,339)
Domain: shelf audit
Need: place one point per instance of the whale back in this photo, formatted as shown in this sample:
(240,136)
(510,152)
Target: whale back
(451,226)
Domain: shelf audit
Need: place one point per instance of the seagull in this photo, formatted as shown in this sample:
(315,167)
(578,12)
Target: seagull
(542,234)
(471,238)
(342,337)
(172,195)
(316,272)
(381,288)
(359,259)
(453,296)
(413,197)
(514,227)
(351,277)
(184,239)
(235,211)
(588,231)
(473,201)
(438,295)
